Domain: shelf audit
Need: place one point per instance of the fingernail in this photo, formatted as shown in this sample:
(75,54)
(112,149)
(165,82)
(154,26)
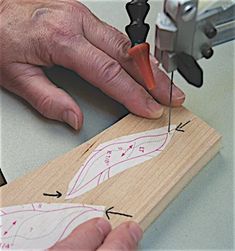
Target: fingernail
(103,226)
(71,118)
(135,231)
(178,94)
(156,110)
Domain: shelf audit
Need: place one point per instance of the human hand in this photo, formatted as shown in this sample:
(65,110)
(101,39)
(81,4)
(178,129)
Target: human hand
(96,234)
(38,33)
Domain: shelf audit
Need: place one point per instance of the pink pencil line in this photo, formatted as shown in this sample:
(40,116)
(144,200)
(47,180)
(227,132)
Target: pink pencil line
(140,137)
(43,212)
(118,164)
(78,184)
(104,177)
(99,178)
(147,136)
(50,212)
(108,168)
(132,149)
(46,211)
(23,237)
(99,157)
(148,153)
(39,213)
(128,149)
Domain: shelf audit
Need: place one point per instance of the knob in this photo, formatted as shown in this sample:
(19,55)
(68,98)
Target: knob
(137,30)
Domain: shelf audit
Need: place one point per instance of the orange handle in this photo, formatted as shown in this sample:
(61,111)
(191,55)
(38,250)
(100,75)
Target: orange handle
(140,54)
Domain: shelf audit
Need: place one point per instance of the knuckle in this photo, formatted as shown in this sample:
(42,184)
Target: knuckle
(75,6)
(58,49)
(122,45)
(44,105)
(110,70)
(56,28)
(56,40)
(40,12)
(73,9)
(44,41)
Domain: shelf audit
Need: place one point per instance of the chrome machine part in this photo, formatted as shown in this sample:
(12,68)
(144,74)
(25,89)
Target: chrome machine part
(184,35)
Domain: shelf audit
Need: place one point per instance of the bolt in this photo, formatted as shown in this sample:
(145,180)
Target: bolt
(210,31)
(188,12)
(207,51)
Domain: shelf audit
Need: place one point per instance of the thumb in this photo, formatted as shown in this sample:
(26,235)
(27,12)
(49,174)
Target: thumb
(88,236)
(124,237)
(30,83)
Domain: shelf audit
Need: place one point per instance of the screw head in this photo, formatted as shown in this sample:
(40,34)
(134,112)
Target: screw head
(210,31)
(188,12)
(207,51)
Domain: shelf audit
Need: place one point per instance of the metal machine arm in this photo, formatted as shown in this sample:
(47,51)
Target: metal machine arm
(183,35)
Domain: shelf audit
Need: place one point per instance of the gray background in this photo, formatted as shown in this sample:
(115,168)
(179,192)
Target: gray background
(202,215)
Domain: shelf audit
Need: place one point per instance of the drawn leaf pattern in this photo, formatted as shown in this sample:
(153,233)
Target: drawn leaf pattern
(113,157)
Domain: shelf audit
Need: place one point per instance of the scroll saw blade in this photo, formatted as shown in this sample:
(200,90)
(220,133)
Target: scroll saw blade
(170,102)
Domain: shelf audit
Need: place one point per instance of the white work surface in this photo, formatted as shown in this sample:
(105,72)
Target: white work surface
(202,215)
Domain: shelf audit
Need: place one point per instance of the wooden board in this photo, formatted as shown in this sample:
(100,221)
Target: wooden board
(143,191)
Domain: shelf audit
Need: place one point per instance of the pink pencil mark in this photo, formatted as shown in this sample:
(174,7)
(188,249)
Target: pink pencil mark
(106,174)
(129,148)
(98,182)
(5,234)
(23,237)
(7,231)
(46,211)
(108,169)
(99,150)
(132,150)
(2,212)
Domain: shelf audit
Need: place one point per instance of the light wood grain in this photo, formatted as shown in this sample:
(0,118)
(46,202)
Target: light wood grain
(143,191)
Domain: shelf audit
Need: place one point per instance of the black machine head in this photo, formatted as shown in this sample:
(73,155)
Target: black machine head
(188,67)
(137,30)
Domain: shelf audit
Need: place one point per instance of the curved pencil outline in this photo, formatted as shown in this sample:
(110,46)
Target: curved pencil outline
(128,159)
(43,212)
(114,143)
(42,236)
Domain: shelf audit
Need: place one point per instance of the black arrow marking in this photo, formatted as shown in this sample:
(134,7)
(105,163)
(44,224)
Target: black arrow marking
(58,194)
(108,211)
(180,127)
